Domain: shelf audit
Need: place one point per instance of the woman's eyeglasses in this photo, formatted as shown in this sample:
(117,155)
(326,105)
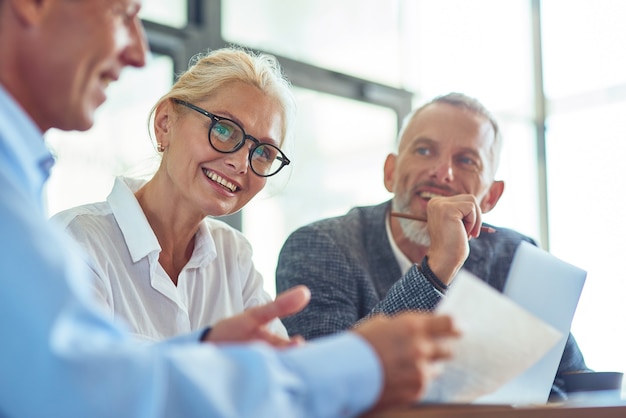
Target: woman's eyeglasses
(227,136)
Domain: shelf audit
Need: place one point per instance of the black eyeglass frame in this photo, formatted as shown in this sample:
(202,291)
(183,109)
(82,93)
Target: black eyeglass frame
(284,161)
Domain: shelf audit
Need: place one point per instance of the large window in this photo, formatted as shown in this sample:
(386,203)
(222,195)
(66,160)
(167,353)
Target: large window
(363,38)
(585,82)
(166,12)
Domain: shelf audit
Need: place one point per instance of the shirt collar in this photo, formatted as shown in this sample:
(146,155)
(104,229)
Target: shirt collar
(138,234)
(403,261)
(30,158)
(204,250)
(133,223)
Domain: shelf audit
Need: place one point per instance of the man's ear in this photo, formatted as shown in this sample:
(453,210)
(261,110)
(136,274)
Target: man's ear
(493,195)
(390,167)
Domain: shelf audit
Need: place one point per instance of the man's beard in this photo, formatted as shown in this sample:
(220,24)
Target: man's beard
(415,231)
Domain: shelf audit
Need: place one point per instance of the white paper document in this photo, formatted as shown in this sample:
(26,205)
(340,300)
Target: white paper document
(499,340)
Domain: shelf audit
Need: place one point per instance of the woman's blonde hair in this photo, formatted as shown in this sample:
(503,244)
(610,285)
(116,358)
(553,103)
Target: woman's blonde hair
(209,72)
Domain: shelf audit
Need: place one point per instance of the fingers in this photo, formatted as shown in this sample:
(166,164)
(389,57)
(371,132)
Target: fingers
(464,208)
(431,335)
(410,347)
(242,328)
(473,221)
(297,340)
(433,338)
(293,300)
(452,222)
(276,340)
(441,326)
(286,303)
(250,325)
(421,334)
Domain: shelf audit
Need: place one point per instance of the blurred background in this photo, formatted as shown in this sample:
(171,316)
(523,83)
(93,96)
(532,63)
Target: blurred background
(552,71)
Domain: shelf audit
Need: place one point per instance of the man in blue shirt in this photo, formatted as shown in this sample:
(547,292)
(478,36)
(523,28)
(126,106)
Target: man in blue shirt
(60,357)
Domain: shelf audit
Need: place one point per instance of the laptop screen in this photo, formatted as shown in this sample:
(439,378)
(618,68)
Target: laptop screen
(548,288)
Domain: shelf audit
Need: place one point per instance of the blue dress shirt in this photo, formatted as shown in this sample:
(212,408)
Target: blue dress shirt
(61,357)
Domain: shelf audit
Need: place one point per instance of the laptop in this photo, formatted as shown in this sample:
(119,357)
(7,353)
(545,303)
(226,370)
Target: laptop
(548,288)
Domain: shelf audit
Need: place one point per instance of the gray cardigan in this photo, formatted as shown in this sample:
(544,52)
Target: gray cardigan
(348,264)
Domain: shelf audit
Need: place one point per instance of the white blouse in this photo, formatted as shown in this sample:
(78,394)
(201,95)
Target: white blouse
(123,252)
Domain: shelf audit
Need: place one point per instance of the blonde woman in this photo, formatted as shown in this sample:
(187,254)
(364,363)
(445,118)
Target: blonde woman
(160,260)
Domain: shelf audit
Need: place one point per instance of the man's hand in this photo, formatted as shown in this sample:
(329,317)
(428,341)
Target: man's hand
(452,221)
(409,346)
(251,325)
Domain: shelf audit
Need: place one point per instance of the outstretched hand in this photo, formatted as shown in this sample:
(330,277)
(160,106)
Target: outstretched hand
(410,347)
(251,325)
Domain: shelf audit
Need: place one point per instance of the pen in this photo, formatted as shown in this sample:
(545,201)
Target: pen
(483,228)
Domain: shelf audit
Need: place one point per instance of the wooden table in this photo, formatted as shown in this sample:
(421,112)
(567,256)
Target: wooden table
(501,411)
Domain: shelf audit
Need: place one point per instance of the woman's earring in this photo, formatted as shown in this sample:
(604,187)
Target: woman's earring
(160,147)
